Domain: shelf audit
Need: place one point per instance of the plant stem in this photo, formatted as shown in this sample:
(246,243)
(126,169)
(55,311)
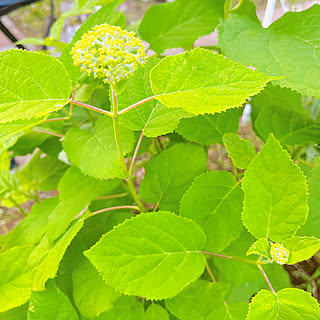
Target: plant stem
(88,106)
(266,278)
(113,196)
(237,7)
(23,212)
(226,9)
(135,154)
(48,132)
(115,118)
(306,163)
(231,257)
(135,105)
(115,208)
(210,272)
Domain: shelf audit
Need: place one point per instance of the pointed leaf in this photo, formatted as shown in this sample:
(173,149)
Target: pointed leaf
(96,154)
(275,204)
(261,247)
(164,244)
(46,85)
(214,201)
(166,179)
(156,312)
(185,22)
(201,81)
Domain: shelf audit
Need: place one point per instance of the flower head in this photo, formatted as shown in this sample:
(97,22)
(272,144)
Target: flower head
(109,53)
(279,253)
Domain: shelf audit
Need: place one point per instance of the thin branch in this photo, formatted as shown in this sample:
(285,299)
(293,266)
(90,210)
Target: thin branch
(57,119)
(113,196)
(135,153)
(116,208)
(23,212)
(266,278)
(306,163)
(155,207)
(135,105)
(230,257)
(49,132)
(88,106)
(210,272)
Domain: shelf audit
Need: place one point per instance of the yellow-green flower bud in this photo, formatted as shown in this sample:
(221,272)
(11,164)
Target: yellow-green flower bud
(279,253)
(109,53)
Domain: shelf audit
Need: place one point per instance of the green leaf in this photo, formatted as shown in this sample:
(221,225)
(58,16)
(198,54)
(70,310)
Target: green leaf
(197,301)
(166,179)
(96,154)
(287,304)
(19,313)
(261,247)
(185,21)
(32,227)
(51,304)
(239,150)
(152,117)
(290,41)
(125,308)
(91,294)
(214,201)
(165,244)
(301,248)
(233,311)
(209,128)
(156,312)
(76,193)
(46,85)
(104,15)
(275,204)
(51,256)
(15,280)
(312,226)
(201,81)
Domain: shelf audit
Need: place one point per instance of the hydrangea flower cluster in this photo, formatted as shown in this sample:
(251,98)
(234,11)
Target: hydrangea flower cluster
(279,253)
(109,53)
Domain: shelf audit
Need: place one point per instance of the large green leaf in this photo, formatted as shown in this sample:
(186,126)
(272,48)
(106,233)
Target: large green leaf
(156,312)
(209,128)
(164,244)
(91,294)
(15,277)
(275,204)
(104,15)
(289,47)
(19,313)
(169,174)
(96,154)
(31,85)
(287,304)
(214,201)
(232,311)
(152,117)
(201,81)
(312,226)
(51,304)
(198,300)
(185,21)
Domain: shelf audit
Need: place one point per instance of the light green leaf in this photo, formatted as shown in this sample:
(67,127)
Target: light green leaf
(287,48)
(232,311)
(46,85)
(125,308)
(239,150)
(261,247)
(287,304)
(185,21)
(198,300)
(166,179)
(312,226)
(91,294)
(51,257)
(51,304)
(33,226)
(301,248)
(209,128)
(104,15)
(214,201)
(275,204)
(96,154)
(15,279)
(19,313)
(201,81)
(156,312)
(165,244)
(76,193)
(152,117)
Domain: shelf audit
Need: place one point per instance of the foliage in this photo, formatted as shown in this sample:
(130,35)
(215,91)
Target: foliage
(139,227)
